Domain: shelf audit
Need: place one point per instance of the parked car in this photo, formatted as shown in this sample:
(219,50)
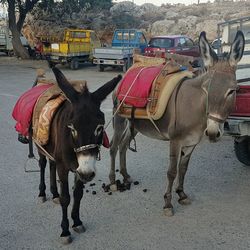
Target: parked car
(177,44)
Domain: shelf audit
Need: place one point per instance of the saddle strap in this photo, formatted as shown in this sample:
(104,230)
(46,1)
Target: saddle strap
(132,130)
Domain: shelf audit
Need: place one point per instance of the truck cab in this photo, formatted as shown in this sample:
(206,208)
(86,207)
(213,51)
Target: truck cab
(6,41)
(129,38)
(74,48)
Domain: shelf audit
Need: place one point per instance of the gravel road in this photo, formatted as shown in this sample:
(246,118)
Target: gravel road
(218,185)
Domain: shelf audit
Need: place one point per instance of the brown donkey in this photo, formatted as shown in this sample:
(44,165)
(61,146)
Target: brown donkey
(197,106)
(76,136)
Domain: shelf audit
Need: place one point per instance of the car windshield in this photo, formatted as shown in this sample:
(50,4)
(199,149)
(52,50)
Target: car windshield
(161,42)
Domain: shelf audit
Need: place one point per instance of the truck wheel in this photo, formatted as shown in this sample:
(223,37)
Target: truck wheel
(10,53)
(241,148)
(74,64)
(101,67)
(125,66)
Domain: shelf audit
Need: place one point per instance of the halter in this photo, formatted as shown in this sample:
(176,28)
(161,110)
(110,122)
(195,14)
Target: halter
(90,146)
(86,147)
(216,119)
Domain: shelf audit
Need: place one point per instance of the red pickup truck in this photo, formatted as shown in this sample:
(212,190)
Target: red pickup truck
(238,123)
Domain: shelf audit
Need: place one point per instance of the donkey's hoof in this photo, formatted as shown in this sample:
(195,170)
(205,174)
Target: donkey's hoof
(41,199)
(186,201)
(56,200)
(113,187)
(66,239)
(169,211)
(79,229)
(128,180)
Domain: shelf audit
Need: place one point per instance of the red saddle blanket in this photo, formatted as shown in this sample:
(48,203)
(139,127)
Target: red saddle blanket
(141,79)
(24,106)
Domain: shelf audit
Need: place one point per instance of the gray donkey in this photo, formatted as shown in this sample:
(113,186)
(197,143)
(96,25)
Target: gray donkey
(197,106)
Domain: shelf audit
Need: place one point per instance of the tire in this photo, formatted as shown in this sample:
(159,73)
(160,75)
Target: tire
(74,64)
(10,53)
(241,148)
(101,68)
(125,66)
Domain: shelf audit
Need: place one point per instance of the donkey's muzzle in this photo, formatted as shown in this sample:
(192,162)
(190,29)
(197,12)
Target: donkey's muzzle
(214,130)
(213,136)
(85,177)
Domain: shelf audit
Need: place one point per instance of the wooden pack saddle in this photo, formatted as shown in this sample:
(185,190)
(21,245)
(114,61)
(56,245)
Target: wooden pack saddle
(165,82)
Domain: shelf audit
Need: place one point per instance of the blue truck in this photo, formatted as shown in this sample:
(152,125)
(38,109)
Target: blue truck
(121,51)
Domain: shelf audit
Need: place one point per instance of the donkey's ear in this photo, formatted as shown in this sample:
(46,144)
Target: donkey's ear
(70,93)
(207,53)
(101,93)
(237,49)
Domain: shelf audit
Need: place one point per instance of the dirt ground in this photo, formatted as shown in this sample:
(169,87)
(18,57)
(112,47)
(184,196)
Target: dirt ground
(218,185)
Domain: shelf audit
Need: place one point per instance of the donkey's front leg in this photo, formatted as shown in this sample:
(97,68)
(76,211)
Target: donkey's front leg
(64,201)
(171,174)
(42,186)
(186,153)
(120,129)
(78,193)
(123,151)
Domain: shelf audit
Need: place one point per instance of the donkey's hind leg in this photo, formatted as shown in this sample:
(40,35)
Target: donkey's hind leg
(42,186)
(120,125)
(186,153)
(53,185)
(171,175)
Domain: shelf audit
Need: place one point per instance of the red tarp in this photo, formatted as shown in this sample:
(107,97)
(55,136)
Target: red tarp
(138,95)
(23,109)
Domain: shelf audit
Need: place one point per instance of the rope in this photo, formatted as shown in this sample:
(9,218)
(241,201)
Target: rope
(123,99)
(208,90)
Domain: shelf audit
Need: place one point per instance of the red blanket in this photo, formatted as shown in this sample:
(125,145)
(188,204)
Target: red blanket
(23,109)
(142,79)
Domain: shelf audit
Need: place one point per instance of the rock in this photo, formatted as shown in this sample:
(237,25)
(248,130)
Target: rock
(162,27)
(164,20)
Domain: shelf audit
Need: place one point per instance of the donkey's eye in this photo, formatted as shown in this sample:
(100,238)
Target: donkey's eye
(230,92)
(98,130)
(73,130)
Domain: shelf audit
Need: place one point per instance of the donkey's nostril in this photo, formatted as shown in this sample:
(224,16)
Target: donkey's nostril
(85,177)
(206,133)
(92,175)
(218,134)
(89,176)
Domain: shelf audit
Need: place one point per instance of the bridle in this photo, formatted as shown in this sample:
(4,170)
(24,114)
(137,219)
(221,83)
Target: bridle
(209,116)
(90,146)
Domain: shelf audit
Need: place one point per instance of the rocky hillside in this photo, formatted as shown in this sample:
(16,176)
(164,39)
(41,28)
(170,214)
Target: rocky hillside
(167,19)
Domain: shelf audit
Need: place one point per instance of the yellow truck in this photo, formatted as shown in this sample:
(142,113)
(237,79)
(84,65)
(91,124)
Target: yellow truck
(76,47)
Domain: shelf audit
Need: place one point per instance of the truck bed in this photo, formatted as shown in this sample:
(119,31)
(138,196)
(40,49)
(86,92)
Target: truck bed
(112,52)
(242,106)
